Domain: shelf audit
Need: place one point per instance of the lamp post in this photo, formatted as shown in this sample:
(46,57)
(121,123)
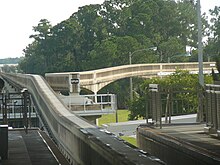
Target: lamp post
(131,83)
(130,56)
(183,55)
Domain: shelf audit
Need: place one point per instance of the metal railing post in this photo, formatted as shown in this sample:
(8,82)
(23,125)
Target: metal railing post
(209,107)
(218,111)
(5,100)
(213,110)
(4,142)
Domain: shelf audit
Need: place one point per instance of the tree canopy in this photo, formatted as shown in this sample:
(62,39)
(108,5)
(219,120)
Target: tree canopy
(181,82)
(98,36)
(103,35)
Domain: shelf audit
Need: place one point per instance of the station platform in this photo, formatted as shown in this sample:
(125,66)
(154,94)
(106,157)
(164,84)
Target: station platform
(33,148)
(180,144)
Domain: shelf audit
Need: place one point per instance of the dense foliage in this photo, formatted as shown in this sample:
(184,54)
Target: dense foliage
(10,60)
(212,49)
(184,84)
(99,36)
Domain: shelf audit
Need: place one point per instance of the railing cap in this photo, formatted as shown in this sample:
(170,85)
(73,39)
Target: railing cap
(3,126)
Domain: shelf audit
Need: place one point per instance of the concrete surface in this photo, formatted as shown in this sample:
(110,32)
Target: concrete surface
(31,149)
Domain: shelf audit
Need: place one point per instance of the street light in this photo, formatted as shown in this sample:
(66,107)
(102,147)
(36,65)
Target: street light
(179,55)
(130,56)
(139,50)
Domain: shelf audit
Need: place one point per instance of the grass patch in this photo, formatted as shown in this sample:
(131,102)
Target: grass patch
(130,140)
(111,118)
(122,117)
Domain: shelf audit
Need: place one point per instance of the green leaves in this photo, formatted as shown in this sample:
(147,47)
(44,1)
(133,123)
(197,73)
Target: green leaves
(103,35)
(100,36)
(212,49)
(102,55)
(43,30)
(183,85)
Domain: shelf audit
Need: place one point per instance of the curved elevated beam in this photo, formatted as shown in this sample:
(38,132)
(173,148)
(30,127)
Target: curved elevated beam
(97,79)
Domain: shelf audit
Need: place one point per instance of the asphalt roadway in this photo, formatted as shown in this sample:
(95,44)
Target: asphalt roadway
(129,128)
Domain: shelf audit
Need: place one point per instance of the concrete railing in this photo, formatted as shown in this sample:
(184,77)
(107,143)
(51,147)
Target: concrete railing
(212,109)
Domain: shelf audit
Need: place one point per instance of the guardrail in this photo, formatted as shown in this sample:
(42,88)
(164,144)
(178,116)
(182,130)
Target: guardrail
(88,105)
(80,141)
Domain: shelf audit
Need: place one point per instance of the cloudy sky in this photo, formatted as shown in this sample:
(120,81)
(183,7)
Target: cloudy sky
(19,16)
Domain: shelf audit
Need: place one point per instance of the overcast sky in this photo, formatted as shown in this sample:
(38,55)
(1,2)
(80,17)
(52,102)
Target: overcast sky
(19,16)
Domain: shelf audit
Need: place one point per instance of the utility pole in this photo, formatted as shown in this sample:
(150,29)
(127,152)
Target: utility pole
(130,56)
(200,61)
(200,48)
(131,83)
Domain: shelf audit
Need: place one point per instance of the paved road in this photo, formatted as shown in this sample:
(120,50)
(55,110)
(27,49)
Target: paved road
(129,128)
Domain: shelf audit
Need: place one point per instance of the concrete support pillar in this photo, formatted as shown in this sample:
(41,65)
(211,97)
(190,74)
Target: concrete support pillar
(208,108)
(74,84)
(95,87)
(155,104)
(154,108)
(96,98)
(4,142)
(25,108)
(5,98)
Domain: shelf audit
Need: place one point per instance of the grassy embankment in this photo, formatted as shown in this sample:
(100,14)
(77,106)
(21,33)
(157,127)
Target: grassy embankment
(111,118)
(122,117)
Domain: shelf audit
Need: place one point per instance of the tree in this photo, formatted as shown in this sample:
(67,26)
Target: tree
(37,53)
(9,69)
(112,30)
(99,36)
(102,55)
(212,48)
(42,30)
(171,48)
(181,81)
